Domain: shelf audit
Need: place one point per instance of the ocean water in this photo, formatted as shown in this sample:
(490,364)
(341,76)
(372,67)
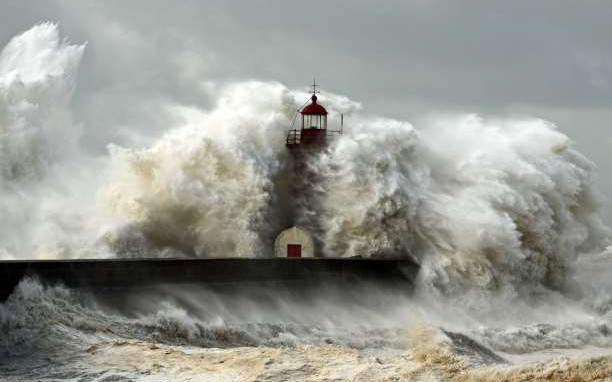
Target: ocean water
(503,216)
(365,333)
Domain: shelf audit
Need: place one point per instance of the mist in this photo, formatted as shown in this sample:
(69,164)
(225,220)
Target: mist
(496,205)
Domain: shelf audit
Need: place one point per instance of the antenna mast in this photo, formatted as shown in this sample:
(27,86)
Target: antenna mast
(314,86)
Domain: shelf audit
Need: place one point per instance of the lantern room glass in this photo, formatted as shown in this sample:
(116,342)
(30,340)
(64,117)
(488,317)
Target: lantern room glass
(314,121)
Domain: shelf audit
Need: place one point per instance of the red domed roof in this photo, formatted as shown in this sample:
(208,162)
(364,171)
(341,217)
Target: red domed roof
(314,108)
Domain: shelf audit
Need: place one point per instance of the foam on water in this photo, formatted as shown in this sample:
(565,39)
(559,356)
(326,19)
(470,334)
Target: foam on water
(53,332)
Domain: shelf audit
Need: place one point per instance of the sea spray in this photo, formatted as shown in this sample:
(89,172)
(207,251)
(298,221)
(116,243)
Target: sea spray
(46,181)
(491,206)
(203,188)
(500,206)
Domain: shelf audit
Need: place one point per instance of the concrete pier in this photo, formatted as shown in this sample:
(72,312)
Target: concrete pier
(119,274)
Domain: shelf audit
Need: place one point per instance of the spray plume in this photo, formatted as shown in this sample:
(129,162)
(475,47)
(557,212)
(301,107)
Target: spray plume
(485,204)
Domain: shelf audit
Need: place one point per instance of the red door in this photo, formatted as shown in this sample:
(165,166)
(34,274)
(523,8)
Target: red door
(294,250)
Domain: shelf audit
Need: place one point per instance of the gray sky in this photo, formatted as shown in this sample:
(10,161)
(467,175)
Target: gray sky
(404,59)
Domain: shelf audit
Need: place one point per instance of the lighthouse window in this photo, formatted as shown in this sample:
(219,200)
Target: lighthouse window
(314,121)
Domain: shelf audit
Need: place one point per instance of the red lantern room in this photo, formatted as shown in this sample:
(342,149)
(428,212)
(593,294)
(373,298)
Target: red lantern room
(313,127)
(314,116)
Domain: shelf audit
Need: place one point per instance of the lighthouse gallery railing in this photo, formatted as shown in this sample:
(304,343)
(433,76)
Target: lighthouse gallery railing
(294,136)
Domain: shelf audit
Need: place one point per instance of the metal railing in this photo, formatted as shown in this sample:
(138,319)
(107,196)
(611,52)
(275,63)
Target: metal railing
(294,136)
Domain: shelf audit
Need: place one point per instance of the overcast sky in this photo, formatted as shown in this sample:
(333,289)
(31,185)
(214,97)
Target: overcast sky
(405,59)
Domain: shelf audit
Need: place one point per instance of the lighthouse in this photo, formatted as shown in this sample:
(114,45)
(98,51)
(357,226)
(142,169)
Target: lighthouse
(304,143)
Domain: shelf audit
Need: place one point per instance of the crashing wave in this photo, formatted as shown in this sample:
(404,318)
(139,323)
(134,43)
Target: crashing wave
(501,206)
